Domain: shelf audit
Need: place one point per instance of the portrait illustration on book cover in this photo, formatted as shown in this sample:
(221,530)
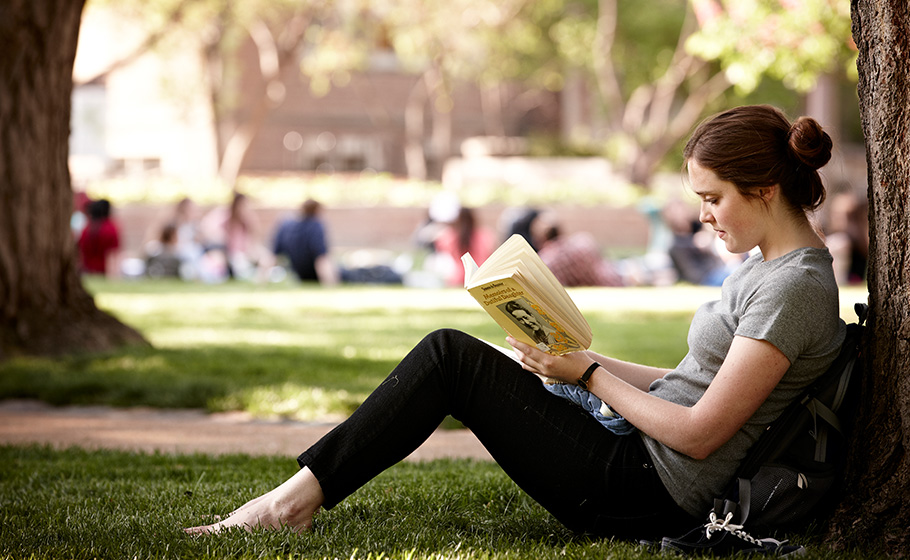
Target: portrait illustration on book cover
(545,332)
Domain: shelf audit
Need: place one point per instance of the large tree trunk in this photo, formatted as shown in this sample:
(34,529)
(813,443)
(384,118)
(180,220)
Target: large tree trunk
(876,510)
(43,306)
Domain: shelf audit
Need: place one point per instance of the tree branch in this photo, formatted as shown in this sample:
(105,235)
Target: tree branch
(174,18)
(274,58)
(695,104)
(605,71)
(682,66)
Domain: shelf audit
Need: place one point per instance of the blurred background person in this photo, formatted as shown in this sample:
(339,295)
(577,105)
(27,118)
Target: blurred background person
(303,241)
(461,236)
(518,220)
(575,259)
(177,237)
(234,232)
(99,241)
(425,270)
(694,256)
(162,258)
(187,237)
(443,211)
(848,237)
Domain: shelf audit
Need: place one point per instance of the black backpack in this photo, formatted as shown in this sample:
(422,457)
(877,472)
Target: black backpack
(793,471)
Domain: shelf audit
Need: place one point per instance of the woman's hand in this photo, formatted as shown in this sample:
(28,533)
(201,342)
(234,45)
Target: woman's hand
(566,368)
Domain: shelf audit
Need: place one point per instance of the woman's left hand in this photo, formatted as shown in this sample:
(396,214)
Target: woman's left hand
(566,368)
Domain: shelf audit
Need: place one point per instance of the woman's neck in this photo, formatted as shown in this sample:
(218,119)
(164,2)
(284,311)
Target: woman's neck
(790,235)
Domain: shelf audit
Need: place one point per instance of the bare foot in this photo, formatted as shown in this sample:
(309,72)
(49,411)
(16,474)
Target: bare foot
(291,505)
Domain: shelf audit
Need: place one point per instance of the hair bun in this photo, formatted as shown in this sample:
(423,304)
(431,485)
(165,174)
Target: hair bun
(808,143)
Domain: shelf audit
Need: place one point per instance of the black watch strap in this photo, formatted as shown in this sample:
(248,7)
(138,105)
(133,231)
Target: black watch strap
(583,380)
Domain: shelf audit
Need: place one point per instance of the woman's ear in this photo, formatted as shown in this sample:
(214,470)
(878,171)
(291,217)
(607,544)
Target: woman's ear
(767,194)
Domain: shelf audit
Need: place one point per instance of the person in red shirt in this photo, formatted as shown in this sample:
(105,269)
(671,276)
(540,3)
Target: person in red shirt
(461,236)
(99,240)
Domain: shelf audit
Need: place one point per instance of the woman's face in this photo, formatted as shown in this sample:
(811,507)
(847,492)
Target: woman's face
(738,220)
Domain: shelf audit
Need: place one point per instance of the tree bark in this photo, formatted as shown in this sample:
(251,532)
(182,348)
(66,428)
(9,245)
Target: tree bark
(43,307)
(876,509)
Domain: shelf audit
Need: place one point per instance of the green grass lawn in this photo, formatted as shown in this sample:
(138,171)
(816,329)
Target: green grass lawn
(305,352)
(301,352)
(113,505)
(309,353)
(76,504)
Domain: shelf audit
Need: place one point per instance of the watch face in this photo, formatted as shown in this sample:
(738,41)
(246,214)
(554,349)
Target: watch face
(583,384)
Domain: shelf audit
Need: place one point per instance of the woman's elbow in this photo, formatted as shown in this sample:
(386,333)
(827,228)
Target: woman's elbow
(700,452)
(703,436)
(700,448)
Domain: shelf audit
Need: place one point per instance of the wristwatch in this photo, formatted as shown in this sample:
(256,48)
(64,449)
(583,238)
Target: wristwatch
(583,380)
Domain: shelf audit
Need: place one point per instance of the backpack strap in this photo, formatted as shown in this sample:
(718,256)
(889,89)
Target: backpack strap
(723,507)
(818,409)
(820,433)
(745,499)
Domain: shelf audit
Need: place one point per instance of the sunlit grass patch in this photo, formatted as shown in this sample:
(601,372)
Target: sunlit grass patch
(291,401)
(189,337)
(303,351)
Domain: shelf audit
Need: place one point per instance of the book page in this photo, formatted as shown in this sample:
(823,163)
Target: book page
(503,260)
(470,268)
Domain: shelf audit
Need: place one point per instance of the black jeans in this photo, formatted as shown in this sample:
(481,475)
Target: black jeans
(590,479)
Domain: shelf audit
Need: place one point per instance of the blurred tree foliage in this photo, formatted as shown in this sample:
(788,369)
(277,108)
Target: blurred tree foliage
(648,70)
(794,41)
(282,34)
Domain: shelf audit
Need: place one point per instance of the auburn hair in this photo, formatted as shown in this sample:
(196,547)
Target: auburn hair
(756,146)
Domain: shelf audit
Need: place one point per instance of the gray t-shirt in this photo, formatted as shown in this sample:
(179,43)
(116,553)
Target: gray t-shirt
(791,302)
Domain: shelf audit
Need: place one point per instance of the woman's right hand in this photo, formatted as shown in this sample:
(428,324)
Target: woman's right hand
(566,368)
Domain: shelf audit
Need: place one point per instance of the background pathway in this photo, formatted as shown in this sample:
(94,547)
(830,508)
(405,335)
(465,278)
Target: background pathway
(187,431)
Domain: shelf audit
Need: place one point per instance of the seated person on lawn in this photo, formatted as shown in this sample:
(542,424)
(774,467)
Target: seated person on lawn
(775,329)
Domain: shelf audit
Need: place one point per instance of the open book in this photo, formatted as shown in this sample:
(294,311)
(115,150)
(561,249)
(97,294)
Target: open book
(518,290)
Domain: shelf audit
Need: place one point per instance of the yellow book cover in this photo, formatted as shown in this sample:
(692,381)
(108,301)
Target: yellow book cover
(521,294)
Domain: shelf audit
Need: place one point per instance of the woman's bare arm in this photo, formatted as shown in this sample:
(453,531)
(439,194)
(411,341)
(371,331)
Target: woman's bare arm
(637,375)
(749,373)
